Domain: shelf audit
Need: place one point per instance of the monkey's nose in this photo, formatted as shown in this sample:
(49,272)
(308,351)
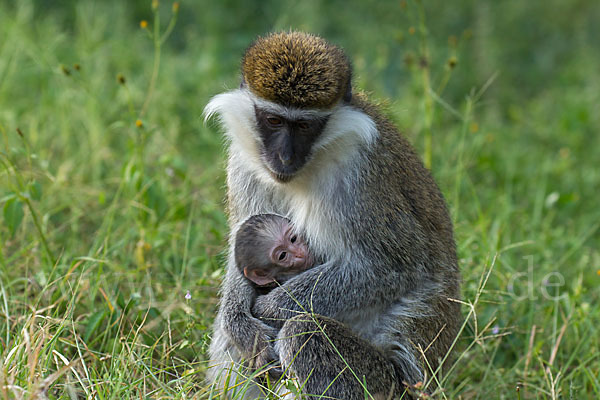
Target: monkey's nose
(299,257)
(285,159)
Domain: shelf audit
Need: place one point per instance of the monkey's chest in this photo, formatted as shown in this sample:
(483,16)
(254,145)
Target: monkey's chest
(317,208)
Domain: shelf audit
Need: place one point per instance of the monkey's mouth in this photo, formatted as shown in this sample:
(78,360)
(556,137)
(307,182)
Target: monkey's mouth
(284,173)
(281,177)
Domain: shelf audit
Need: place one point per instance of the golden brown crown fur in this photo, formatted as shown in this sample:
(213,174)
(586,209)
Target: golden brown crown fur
(297,69)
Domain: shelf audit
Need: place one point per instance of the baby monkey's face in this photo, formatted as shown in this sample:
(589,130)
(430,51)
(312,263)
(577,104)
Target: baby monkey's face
(290,251)
(276,253)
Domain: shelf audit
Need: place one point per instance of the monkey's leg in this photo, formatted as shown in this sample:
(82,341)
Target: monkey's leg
(330,360)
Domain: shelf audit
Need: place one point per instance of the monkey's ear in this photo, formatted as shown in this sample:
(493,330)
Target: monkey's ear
(259,276)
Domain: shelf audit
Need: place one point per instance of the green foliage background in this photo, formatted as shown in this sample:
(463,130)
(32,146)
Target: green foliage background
(106,225)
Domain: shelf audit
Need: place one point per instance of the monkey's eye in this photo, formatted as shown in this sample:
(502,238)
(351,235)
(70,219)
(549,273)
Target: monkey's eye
(282,255)
(293,239)
(274,121)
(303,125)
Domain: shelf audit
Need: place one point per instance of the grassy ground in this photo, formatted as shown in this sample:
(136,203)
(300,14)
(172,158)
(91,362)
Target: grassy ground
(112,188)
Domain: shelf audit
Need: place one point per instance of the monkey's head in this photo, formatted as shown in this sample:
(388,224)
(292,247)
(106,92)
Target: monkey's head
(292,113)
(268,250)
(297,69)
(293,72)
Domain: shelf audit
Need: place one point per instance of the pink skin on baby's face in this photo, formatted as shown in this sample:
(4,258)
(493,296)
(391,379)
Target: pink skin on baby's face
(290,251)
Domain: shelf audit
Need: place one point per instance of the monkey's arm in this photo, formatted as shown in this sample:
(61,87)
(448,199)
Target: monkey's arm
(385,256)
(334,290)
(250,335)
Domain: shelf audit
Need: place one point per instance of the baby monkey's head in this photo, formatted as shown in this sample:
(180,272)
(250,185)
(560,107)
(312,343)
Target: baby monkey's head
(268,251)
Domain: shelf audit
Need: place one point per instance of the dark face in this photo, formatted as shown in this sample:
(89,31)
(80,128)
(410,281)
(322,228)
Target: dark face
(287,144)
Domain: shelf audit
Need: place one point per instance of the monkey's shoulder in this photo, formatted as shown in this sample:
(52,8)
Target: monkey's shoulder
(397,177)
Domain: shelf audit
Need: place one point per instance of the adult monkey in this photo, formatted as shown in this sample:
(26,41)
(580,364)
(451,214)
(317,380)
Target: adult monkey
(302,145)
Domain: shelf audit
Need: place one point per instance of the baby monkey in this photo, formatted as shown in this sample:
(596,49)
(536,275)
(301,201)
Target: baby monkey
(268,252)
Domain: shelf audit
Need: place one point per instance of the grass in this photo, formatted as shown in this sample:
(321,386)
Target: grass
(107,222)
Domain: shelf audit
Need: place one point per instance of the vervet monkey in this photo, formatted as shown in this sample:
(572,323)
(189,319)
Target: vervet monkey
(268,251)
(303,145)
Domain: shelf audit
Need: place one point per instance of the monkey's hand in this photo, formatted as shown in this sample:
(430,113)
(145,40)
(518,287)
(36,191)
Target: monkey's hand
(270,312)
(262,354)
(253,338)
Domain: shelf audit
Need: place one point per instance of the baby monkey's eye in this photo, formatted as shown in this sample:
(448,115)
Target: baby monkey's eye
(275,121)
(293,239)
(282,255)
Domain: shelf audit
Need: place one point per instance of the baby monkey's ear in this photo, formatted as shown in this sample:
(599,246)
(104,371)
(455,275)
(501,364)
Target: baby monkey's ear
(259,276)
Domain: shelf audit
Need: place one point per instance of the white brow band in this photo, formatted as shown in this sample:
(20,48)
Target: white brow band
(291,113)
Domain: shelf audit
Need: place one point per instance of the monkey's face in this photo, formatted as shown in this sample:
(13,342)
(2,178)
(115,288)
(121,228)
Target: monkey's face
(287,257)
(290,252)
(287,144)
